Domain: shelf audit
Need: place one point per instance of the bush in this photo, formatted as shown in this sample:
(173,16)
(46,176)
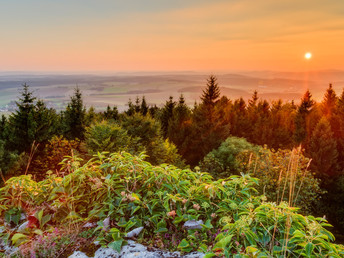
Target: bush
(133,193)
(222,162)
(108,136)
(283,176)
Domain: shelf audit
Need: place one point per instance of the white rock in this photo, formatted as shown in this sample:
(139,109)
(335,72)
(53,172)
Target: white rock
(193,224)
(106,223)
(22,216)
(133,247)
(135,232)
(194,255)
(106,253)
(78,254)
(8,250)
(23,226)
(90,225)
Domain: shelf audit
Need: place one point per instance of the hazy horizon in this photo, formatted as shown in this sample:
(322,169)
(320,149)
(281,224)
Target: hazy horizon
(109,88)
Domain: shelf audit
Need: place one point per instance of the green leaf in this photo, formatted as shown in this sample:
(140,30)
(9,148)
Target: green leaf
(39,216)
(177,220)
(45,219)
(309,249)
(207,224)
(184,246)
(38,232)
(223,243)
(116,245)
(18,238)
(137,198)
(251,249)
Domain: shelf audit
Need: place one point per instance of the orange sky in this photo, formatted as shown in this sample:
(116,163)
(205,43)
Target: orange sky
(136,35)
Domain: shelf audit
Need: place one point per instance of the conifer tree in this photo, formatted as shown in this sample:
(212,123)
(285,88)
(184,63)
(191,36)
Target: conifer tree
(131,108)
(179,125)
(167,115)
(323,150)
(74,117)
(32,121)
(22,122)
(144,106)
(212,92)
(137,105)
(111,113)
(329,103)
(304,109)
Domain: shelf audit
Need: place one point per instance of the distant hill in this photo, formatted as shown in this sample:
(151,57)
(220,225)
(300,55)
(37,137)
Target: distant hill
(99,90)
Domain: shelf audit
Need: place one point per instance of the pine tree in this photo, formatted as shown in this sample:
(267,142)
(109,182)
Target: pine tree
(144,106)
(32,121)
(137,105)
(212,92)
(111,113)
(303,111)
(329,103)
(179,125)
(131,108)
(74,117)
(167,115)
(22,122)
(306,103)
(323,150)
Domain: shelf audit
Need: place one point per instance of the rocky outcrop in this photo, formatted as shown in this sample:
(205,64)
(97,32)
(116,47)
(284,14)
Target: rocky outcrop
(135,250)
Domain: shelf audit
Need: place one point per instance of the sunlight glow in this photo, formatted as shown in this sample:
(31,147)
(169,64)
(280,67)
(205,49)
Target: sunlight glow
(308,55)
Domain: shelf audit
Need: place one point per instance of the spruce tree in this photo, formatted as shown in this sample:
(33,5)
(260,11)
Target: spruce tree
(167,115)
(307,103)
(179,125)
(212,92)
(144,106)
(131,108)
(22,122)
(323,150)
(74,116)
(111,113)
(329,103)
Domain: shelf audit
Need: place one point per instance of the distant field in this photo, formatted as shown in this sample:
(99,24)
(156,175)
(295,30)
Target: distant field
(100,91)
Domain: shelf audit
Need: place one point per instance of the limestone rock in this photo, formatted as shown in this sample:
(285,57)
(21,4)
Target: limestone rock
(193,224)
(78,254)
(106,252)
(135,232)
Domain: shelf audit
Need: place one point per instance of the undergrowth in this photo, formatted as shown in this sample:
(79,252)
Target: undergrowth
(133,193)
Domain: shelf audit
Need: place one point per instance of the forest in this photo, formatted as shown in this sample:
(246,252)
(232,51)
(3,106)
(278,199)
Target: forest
(266,178)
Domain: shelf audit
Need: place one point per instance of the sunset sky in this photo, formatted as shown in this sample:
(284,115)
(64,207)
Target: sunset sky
(166,35)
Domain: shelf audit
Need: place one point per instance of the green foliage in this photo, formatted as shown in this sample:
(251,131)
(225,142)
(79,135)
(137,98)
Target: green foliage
(108,136)
(223,162)
(283,176)
(13,215)
(133,193)
(74,117)
(51,155)
(323,150)
(148,132)
(33,121)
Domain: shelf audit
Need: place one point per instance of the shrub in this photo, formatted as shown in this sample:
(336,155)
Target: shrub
(283,176)
(133,193)
(223,162)
(108,136)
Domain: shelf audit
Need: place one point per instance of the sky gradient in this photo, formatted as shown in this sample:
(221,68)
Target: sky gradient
(165,35)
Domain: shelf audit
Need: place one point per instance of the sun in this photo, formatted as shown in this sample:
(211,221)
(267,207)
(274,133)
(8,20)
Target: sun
(308,55)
